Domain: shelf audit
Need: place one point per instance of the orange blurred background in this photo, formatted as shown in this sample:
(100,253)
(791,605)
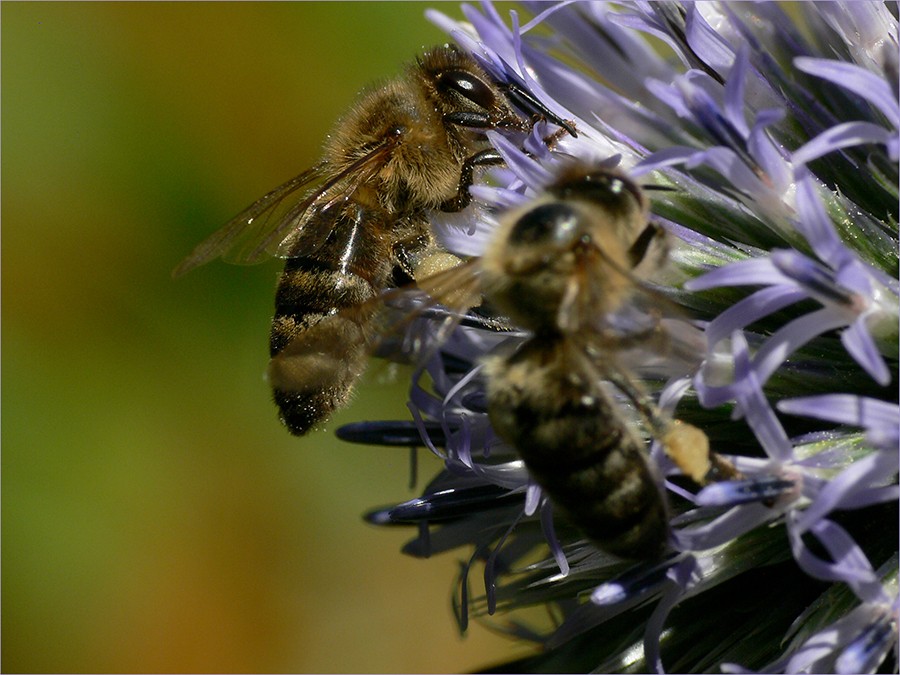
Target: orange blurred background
(155,516)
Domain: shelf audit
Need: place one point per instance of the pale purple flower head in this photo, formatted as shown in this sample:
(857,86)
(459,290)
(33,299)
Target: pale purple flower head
(775,130)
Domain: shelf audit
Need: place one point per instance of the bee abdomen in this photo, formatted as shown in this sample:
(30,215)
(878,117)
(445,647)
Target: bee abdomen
(582,454)
(318,339)
(615,502)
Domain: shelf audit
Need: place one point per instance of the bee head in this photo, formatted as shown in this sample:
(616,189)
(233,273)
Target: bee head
(578,245)
(541,236)
(464,94)
(606,189)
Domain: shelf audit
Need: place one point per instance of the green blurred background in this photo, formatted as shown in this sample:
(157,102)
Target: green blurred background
(155,516)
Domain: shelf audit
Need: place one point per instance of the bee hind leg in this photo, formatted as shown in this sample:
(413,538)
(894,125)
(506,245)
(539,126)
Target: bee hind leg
(686,445)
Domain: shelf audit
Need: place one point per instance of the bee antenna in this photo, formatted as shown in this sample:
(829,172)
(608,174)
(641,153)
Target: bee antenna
(659,188)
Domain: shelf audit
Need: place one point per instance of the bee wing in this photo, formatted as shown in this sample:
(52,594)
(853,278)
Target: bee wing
(623,319)
(457,288)
(684,444)
(251,227)
(399,324)
(276,224)
(406,323)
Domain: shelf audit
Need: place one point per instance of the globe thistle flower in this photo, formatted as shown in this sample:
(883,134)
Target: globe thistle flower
(774,132)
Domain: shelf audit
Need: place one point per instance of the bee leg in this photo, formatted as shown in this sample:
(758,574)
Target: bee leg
(642,244)
(525,100)
(688,447)
(550,140)
(722,469)
(488,157)
(419,256)
(683,443)
(472,120)
(434,263)
(645,405)
(407,253)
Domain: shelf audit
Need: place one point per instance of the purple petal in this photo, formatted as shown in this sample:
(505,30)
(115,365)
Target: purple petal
(670,95)
(678,578)
(734,91)
(634,584)
(552,540)
(640,23)
(730,165)
(850,561)
(582,93)
(609,593)
(772,161)
(740,670)
(790,337)
(871,496)
(813,656)
(844,135)
(491,30)
(725,528)
(856,79)
(863,26)
(866,652)
(735,492)
(819,281)
(707,43)
(532,174)
(542,16)
(503,197)
(815,224)
(666,157)
(755,407)
(442,21)
(851,565)
(840,491)
(858,277)
(859,344)
(753,272)
(533,498)
(749,310)
(422,401)
(846,408)
(672,392)
(624,57)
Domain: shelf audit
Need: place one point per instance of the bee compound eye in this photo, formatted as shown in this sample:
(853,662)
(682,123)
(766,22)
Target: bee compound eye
(555,223)
(604,189)
(467,85)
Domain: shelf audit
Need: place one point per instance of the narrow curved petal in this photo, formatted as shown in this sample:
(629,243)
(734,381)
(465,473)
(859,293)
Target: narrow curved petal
(856,79)
(844,135)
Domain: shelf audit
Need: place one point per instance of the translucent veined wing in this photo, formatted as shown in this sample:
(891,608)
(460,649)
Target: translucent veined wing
(389,325)
(646,332)
(273,226)
(442,302)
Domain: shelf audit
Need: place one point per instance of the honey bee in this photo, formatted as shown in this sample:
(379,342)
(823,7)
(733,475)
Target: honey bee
(360,226)
(569,267)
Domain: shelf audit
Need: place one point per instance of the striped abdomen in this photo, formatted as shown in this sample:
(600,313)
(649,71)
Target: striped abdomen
(323,314)
(578,448)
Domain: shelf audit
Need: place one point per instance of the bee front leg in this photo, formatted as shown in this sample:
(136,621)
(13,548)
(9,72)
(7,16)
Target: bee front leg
(653,237)
(488,157)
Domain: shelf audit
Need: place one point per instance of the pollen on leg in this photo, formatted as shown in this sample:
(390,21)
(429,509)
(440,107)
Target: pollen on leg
(688,447)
